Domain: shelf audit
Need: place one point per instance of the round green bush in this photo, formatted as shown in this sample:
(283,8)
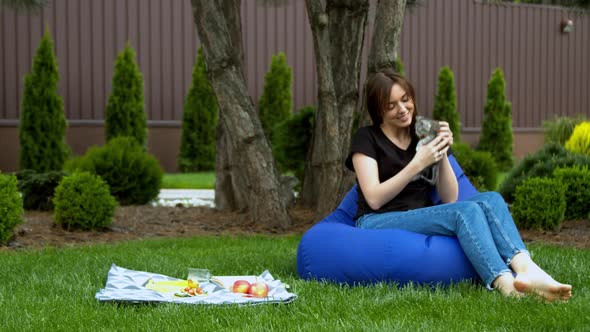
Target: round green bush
(38,188)
(83,200)
(579,142)
(134,176)
(479,166)
(577,180)
(540,164)
(11,207)
(539,203)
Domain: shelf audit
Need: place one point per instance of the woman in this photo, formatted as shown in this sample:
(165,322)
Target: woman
(385,161)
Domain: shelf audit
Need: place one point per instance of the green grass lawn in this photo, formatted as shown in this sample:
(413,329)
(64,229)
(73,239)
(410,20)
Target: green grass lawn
(53,290)
(200,180)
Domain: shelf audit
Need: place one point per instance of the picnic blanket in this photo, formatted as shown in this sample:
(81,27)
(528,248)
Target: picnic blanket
(124,285)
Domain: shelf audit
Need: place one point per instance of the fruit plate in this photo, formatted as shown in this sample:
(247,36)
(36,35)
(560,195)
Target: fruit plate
(124,285)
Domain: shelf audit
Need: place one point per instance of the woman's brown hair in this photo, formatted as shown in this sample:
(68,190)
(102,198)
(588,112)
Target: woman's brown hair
(378,92)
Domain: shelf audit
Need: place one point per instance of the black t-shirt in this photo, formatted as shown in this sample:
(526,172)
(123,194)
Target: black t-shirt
(372,142)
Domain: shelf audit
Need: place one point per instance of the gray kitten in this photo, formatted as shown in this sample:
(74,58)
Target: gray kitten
(426,130)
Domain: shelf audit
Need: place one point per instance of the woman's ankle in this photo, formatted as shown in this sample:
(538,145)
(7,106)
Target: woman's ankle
(504,283)
(522,263)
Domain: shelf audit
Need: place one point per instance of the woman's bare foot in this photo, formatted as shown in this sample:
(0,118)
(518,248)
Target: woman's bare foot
(538,282)
(530,278)
(505,285)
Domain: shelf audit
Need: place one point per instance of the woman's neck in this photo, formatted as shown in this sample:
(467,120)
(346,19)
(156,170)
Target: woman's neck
(398,134)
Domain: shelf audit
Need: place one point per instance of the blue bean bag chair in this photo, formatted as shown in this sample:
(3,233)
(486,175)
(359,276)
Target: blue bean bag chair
(337,251)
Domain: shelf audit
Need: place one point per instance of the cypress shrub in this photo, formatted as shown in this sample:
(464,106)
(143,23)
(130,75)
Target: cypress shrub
(496,133)
(134,176)
(539,203)
(197,144)
(293,140)
(478,166)
(540,164)
(11,207)
(577,180)
(125,115)
(399,66)
(38,188)
(559,129)
(82,200)
(42,123)
(579,142)
(276,101)
(445,102)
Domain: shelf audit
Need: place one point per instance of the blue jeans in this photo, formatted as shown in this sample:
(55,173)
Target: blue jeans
(483,225)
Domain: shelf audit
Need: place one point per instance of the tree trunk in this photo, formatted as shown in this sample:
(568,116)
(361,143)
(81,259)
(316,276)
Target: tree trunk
(387,30)
(338,28)
(248,177)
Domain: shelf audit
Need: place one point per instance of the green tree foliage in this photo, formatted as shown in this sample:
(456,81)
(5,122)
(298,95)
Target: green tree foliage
(83,200)
(496,133)
(579,142)
(445,102)
(125,114)
(197,144)
(276,101)
(23,4)
(42,121)
(11,207)
(293,140)
(560,129)
(399,67)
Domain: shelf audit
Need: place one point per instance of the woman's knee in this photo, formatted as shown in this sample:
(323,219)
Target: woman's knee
(469,210)
(491,197)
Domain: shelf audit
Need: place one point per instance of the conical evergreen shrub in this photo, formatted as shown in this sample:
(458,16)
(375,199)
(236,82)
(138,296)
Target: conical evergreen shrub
(496,133)
(197,143)
(399,66)
(125,114)
(445,102)
(43,124)
(276,101)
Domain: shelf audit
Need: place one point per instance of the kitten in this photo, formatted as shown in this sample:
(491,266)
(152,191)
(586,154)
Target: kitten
(426,130)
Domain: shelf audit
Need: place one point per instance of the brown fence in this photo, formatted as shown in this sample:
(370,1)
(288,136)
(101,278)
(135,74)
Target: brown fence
(546,70)
(89,33)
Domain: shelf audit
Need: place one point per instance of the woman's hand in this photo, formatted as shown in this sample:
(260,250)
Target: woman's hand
(445,131)
(432,152)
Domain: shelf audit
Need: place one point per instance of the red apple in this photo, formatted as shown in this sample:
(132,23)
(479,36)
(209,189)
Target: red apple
(241,286)
(259,289)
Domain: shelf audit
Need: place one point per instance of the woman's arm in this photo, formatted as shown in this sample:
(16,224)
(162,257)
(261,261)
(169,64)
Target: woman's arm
(447,186)
(378,193)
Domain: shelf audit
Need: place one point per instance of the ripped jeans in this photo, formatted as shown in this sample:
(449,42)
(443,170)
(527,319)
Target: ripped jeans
(483,225)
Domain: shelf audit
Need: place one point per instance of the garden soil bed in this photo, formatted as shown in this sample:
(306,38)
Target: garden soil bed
(141,222)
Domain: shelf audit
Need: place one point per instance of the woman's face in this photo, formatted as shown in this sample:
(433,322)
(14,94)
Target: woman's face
(398,112)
